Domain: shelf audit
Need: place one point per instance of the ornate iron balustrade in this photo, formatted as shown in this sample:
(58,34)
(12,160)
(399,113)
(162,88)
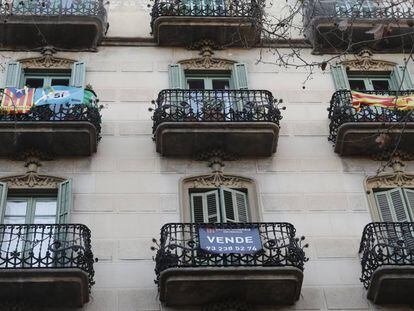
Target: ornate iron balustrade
(179,247)
(215,106)
(386,243)
(55,8)
(56,113)
(341,111)
(43,246)
(251,9)
(356,9)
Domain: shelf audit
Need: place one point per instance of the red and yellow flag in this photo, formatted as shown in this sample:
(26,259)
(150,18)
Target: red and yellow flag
(17,100)
(405,102)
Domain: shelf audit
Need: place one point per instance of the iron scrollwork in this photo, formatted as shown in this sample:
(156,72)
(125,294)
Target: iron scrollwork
(385,243)
(215,106)
(43,246)
(179,247)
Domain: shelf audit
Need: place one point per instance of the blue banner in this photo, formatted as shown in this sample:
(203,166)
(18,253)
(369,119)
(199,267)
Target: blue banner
(59,95)
(230,240)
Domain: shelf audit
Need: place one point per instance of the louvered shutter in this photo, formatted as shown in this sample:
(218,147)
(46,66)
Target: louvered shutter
(3,199)
(384,205)
(400,207)
(233,205)
(64,202)
(340,77)
(409,196)
(407,230)
(239,76)
(205,207)
(401,79)
(13,74)
(77,78)
(176,76)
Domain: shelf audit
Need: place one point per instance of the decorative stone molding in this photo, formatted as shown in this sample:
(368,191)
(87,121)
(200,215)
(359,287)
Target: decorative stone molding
(47,61)
(216,180)
(206,61)
(32,179)
(365,62)
(228,306)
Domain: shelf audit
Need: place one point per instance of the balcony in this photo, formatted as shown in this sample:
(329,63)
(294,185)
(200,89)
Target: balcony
(333,26)
(46,265)
(188,275)
(239,122)
(370,130)
(226,22)
(63,24)
(387,259)
(53,130)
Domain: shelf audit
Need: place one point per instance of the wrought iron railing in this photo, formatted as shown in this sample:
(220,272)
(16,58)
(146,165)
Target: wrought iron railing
(342,111)
(356,9)
(215,106)
(89,112)
(179,247)
(251,9)
(55,8)
(43,246)
(386,243)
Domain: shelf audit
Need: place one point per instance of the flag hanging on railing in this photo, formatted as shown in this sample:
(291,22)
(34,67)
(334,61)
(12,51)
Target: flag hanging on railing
(16,100)
(403,102)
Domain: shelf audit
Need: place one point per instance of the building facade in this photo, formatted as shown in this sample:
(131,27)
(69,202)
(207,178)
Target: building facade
(122,121)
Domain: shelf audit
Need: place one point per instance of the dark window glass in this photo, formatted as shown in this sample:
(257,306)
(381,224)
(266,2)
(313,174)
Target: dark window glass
(221,84)
(34,82)
(60,81)
(357,85)
(380,85)
(195,84)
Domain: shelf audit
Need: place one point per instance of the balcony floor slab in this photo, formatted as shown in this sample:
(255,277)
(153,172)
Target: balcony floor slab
(254,285)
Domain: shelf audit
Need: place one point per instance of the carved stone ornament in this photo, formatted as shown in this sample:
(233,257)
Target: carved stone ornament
(398,178)
(365,62)
(217,179)
(47,61)
(207,61)
(32,179)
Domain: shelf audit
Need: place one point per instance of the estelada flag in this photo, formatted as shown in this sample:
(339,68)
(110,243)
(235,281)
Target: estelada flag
(17,100)
(405,102)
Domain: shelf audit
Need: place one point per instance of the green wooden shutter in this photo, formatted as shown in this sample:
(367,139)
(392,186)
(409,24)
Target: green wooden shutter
(239,76)
(3,199)
(64,202)
(400,207)
(176,77)
(401,79)
(384,205)
(77,78)
(13,74)
(340,77)
(205,207)
(233,205)
(409,198)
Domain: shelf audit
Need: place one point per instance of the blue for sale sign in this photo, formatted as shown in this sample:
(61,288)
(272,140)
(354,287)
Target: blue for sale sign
(230,240)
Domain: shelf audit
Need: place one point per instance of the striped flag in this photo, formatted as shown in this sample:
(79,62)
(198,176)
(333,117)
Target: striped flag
(405,102)
(17,100)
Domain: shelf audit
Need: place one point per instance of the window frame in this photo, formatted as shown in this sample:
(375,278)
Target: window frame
(368,79)
(46,76)
(208,78)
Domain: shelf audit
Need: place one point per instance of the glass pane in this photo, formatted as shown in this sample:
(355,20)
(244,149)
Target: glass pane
(380,85)
(357,85)
(221,84)
(45,208)
(34,82)
(195,84)
(44,220)
(60,81)
(9,220)
(15,208)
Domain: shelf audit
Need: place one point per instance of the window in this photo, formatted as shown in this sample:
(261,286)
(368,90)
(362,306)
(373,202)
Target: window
(17,76)
(355,8)
(44,80)
(397,79)
(395,205)
(29,206)
(219,205)
(208,81)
